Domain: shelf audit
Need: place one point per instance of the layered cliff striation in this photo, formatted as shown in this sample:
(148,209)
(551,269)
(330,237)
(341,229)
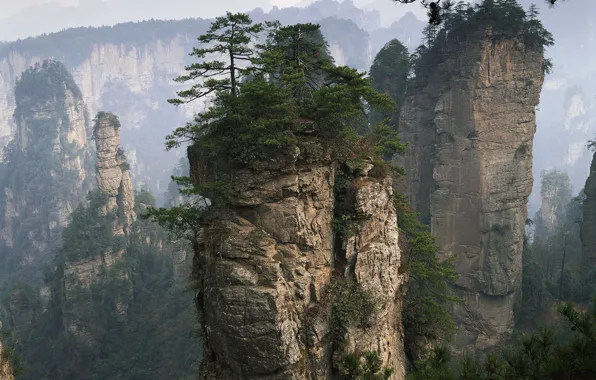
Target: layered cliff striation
(282,295)
(469,120)
(47,169)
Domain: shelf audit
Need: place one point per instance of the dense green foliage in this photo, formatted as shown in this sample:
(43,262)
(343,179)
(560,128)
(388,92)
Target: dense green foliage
(89,234)
(33,169)
(288,94)
(132,322)
(535,357)
(293,96)
(389,75)
(427,305)
(371,368)
(552,274)
(463,23)
(552,268)
(351,306)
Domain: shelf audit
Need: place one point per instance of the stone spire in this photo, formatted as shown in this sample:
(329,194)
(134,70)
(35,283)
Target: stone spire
(112,173)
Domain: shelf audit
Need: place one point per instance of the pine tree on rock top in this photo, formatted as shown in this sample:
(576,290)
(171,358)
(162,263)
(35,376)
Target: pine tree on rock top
(230,36)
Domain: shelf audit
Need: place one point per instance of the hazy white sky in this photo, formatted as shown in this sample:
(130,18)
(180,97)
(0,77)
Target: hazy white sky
(12,7)
(25,18)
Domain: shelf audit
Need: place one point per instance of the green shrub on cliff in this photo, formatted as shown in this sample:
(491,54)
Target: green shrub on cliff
(285,92)
(534,357)
(462,23)
(389,75)
(427,305)
(83,332)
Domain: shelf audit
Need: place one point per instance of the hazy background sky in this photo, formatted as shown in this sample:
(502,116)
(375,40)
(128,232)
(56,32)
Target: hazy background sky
(25,18)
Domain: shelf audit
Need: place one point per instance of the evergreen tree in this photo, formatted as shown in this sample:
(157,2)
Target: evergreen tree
(296,57)
(389,75)
(230,36)
(534,357)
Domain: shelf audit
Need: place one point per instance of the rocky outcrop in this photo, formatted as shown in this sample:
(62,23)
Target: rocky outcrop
(112,168)
(588,226)
(269,274)
(469,121)
(47,170)
(5,368)
(114,182)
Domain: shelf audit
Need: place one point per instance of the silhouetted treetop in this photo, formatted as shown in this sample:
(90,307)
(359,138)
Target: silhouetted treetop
(437,9)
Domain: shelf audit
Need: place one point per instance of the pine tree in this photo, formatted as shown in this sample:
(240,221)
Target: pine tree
(230,37)
(296,57)
(389,75)
(436,8)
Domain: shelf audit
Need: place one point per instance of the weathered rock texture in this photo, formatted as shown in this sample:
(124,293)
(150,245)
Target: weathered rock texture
(5,368)
(114,181)
(265,270)
(588,226)
(112,174)
(469,122)
(47,173)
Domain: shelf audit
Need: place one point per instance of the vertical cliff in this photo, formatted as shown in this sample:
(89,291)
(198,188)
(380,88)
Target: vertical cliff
(5,368)
(281,295)
(47,168)
(588,227)
(469,120)
(112,168)
(113,207)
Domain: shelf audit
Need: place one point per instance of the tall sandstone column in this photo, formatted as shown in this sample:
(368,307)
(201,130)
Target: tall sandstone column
(265,271)
(469,123)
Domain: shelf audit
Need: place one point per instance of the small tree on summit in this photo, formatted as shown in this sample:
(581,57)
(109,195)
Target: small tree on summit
(437,9)
(295,57)
(231,36)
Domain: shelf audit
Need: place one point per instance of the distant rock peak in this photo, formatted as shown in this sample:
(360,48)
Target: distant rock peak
(469,121)
(112,174)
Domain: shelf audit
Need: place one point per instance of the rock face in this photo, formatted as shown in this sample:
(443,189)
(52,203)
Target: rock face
(5,368)
(47,170)
(266,271)
(469,124)
(112,174)
(114,181)
(588,227)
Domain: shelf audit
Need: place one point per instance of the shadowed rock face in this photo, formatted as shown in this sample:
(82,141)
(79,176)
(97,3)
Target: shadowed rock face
(470,125)
(5,368)
(588,227)
(112,174)
(265,270)
(47,172)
